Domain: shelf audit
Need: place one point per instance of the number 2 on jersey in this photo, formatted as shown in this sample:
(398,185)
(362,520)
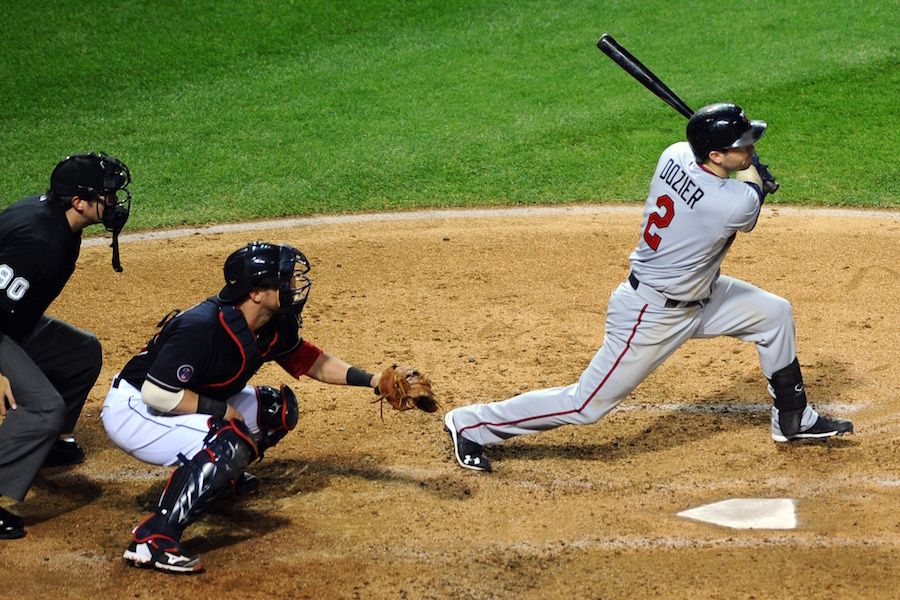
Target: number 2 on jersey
(660,221)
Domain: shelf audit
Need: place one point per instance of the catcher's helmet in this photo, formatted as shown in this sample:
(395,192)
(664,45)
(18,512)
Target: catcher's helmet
(262,265)
(720,127)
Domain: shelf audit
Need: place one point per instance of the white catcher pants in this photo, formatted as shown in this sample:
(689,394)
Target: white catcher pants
(157,438)
(641,333)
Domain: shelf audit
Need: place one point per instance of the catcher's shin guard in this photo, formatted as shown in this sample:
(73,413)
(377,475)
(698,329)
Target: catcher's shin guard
(195,485)
(790,397)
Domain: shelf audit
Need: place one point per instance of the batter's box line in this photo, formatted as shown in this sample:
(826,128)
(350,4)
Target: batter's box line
(750,539)
(732,408)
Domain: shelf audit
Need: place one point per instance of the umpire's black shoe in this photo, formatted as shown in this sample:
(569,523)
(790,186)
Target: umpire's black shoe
(11,526)
(64,452)
(468,454)
(824,427)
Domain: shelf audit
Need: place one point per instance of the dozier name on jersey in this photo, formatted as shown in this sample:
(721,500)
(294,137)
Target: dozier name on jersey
(681,184)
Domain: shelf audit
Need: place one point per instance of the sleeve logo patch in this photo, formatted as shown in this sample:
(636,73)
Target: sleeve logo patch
(184,373)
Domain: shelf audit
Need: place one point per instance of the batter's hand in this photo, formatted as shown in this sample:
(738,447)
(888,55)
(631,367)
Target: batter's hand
(770,184)
(6,396)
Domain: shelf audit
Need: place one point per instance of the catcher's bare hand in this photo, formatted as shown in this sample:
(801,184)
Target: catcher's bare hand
(405,388)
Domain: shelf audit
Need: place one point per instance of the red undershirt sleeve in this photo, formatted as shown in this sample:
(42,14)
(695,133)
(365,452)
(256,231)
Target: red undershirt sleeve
(301,360)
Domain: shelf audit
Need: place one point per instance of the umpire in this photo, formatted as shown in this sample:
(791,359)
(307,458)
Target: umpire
(47,367)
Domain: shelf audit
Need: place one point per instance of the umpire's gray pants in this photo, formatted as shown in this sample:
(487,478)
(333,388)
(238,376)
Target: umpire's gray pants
(51,372)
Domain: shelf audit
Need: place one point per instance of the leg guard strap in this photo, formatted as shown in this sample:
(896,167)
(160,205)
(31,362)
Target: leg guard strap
(790,397)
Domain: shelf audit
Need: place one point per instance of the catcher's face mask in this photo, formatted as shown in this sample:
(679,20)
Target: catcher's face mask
(294,285)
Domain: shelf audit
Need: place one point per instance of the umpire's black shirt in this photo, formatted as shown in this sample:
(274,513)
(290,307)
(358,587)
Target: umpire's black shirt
(38,251)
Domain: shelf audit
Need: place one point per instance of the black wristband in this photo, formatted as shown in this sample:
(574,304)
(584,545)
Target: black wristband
(356,376)
(208,406)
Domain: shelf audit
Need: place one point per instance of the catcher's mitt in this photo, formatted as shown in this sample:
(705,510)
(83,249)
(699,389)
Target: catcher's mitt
(405,388)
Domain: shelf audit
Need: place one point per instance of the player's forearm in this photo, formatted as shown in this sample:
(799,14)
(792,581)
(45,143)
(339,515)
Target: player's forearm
(331,369)
(185,402)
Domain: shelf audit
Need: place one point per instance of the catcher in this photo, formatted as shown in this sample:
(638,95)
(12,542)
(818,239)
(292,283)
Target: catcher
(183,400)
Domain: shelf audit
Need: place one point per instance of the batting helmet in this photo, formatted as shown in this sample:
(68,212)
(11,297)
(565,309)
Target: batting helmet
(720,127)
(262,265)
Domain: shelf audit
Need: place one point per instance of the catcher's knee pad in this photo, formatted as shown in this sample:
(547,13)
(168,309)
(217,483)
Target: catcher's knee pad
(790,397)
(278,413)
(211,472)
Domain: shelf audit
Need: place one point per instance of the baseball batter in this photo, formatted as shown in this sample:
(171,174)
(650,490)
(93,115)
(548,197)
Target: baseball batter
(184,399)
(675,292)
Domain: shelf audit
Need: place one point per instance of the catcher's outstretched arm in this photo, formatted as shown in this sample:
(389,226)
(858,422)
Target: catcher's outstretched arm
(328,368)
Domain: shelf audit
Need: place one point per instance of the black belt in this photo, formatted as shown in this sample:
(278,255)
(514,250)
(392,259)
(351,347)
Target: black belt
(669,302)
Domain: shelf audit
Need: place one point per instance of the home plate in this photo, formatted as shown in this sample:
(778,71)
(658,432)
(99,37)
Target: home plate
(747,513)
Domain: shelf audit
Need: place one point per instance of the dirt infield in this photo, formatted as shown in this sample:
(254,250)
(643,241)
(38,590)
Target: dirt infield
(490,305)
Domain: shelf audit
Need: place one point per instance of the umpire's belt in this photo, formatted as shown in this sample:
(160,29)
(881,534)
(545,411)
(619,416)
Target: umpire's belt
(669,303)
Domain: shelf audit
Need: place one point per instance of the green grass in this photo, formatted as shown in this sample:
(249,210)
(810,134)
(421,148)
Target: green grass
(228,110)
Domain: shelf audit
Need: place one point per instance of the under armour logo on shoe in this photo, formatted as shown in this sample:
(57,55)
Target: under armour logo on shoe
(472,460)
(798,388)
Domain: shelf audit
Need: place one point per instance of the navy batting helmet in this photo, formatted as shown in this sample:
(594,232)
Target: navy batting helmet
(720,127)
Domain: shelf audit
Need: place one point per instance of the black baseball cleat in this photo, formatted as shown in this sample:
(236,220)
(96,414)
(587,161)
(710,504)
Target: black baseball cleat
(468,454)
(64,452)
(247,483)
(11,526)
(824,427)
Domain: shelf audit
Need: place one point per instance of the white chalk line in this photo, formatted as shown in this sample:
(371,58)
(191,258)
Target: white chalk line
(731,540)
(730,408)
(453,213)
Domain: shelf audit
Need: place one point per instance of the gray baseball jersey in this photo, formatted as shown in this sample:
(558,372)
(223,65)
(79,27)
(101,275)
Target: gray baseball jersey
(690,219)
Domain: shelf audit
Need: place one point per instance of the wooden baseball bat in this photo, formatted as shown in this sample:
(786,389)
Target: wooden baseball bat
(639,71)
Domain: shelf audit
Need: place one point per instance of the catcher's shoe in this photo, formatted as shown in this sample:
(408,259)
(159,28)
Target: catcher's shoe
(247,483)
(162,553)
(468,454)
(824,427)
